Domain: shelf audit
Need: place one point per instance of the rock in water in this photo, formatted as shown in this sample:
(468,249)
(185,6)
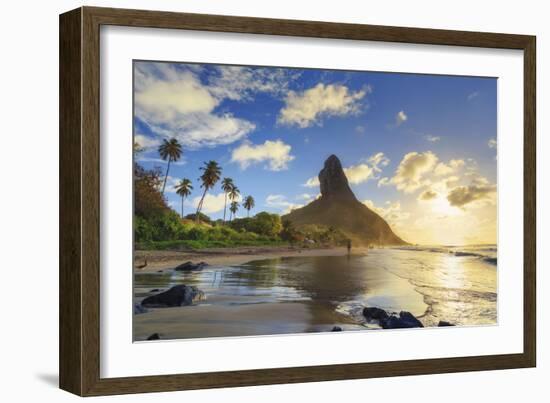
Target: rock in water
(178,295)
(443,323)
(339,208)
(404,321)
(336,329)
(154,336)
(375,314)
(190,266)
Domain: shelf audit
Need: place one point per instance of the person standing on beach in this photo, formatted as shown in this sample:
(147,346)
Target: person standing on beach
(349,246)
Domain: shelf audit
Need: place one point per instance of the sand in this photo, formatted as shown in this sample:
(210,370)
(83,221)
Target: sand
(163,260)
(213,319)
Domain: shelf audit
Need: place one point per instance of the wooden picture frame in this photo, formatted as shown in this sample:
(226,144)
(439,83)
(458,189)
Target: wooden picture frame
(80,199)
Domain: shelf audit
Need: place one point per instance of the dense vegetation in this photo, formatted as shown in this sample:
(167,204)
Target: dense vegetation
(157,226)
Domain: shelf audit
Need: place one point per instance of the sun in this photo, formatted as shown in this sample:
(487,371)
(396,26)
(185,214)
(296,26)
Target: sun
(440,205)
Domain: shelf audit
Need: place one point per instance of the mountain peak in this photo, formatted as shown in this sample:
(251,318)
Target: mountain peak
(333,180)
(339,208)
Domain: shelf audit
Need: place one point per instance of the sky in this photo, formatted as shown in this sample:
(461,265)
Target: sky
(420,150)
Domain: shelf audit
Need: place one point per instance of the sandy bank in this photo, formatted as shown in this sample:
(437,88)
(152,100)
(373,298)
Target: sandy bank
(162,260)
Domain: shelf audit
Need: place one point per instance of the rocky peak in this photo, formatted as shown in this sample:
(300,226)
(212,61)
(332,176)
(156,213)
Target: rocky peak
(333,180)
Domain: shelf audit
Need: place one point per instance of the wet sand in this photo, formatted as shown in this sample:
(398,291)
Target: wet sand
(214,319)
(284,291)
(163,260)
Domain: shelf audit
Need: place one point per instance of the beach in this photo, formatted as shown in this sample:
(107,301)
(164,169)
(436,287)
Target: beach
(259,291)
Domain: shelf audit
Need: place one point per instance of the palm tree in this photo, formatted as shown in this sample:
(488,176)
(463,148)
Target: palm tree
(233,207)
(211,173)
(169,150)
(227,185)
(234,194)
(184,189)
(248,204)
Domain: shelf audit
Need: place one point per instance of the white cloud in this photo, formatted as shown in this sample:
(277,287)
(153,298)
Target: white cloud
(417,170)
(166,100)
(412,170)
(391,211)
(400,118)
(171,184)
(451,181)
(175,103)
(357,174)
(145,158)
(472,95)
(492,143)
(146,142)
(427,195)
(432,139)
(307,197)
(378,160)
(280,202)
(306,108)
(240,83)
(384,182)
(312,182)
(443,169)
(477,193)
(275,153)
(213,203)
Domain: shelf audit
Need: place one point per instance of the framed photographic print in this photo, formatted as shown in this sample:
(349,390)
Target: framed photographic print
(250,201)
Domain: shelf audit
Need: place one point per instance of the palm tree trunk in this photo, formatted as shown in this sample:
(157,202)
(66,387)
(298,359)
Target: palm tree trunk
(248,213)
(199,207)
(166,176)
(224,206)
(182,207)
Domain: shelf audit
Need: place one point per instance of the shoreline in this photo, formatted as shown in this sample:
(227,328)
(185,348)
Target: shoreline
(249,313)
(167,259)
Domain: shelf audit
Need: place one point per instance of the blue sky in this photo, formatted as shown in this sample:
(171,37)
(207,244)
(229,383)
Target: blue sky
(420,150)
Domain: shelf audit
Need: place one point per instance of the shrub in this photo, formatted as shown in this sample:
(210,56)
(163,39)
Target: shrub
(202,217)
(196,233)
(266,224)
(262,224)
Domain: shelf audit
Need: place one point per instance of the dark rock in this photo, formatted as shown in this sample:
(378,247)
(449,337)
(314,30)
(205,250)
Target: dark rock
(336,329)
(408,317)
(443,323)
(333,180)
(159,271)
(459,254)
(404,321)
(373,313)
(154,336)
(190,266)
(155,290)
(392,322)
(139,309)
(178,295)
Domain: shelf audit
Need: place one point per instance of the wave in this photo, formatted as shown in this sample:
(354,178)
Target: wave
(487,253)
